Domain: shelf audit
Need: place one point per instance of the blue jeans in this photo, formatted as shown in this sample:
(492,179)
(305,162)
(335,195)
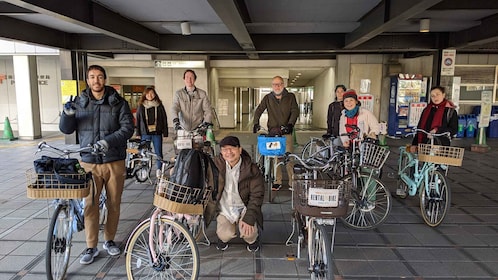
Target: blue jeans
(157,142)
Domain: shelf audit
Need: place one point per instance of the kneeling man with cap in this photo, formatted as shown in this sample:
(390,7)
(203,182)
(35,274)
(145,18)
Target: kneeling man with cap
(240,196)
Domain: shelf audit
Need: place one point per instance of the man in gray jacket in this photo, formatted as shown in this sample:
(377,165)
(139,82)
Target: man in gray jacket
(191,105)
(102,118)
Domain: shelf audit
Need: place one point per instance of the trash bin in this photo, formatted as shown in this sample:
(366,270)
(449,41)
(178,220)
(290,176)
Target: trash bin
(470,131)
(462,124)
(493,126)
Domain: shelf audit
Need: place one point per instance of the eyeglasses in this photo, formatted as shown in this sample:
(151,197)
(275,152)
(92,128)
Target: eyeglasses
(277,85)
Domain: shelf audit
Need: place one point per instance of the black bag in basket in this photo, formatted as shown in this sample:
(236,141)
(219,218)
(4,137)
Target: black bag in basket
(56,171)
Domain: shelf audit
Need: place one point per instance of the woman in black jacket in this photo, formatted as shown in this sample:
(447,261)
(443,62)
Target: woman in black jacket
(334,111)
(152,122)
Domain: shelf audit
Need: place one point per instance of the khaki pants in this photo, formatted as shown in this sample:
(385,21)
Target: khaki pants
(289,147)
(111,175)
(226,231)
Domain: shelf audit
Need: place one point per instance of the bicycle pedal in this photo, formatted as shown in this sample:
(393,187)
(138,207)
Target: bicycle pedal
(400,192)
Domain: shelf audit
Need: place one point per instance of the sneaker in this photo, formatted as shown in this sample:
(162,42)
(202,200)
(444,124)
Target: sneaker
(254,247)
(276,187)
(111,248)
(88,255)
(222,246)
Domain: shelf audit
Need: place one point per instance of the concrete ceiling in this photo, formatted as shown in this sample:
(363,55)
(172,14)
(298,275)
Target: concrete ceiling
(260,30)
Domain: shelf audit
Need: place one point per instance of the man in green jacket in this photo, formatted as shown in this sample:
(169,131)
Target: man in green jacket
(240,195)
(283,112)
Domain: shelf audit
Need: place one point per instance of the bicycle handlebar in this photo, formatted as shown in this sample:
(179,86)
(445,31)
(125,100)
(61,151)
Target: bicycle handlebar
(66,152)
(415,130)
(288,156)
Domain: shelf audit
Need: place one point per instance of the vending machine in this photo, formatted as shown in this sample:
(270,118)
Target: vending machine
(407,99)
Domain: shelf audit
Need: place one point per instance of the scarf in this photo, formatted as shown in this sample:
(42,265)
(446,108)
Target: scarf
(437,119)
(353,112)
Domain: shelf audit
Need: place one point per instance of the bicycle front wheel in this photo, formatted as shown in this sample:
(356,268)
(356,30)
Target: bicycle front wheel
(320,253)
(435,199)
(175,251)
(369,204)
(58,243)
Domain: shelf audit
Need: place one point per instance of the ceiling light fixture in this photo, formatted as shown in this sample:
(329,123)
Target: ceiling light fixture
(425,24)
(185,25)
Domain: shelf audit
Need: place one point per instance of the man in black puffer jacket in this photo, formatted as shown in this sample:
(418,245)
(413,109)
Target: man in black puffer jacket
(102,118)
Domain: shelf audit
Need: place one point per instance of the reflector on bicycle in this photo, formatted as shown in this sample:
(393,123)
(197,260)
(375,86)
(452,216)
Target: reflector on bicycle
(323,197)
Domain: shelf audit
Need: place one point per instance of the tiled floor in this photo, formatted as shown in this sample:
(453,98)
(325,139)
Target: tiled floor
(465,246)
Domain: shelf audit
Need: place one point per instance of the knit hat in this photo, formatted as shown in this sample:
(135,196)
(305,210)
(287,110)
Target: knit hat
(230,141)
(351,93)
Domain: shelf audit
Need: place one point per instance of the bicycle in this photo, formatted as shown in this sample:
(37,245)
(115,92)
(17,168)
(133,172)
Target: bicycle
(139,159)
(270,149)
(426,175)
(67,190)
(164,246)
(316,204)
(370,201)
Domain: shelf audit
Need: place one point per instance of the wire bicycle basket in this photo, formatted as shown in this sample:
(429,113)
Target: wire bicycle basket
(180,199)
(50,185)
(321,198)
(373,156)
(440,154)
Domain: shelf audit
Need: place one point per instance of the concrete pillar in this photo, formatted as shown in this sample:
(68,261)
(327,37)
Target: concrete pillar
(27,97)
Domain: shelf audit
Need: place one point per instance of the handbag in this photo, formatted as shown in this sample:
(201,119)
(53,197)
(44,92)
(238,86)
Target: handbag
(53,172)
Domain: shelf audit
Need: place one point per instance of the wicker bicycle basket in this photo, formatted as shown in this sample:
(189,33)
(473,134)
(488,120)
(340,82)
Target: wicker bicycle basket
(321,198)
(48,186)
(373,156)
(440,154)
(180,199)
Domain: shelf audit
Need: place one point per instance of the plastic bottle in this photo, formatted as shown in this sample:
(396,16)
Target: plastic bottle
(210,134)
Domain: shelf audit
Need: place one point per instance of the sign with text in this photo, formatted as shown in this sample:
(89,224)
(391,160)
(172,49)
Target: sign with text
(415,112)
(486,103)
(448,62)
(179,63)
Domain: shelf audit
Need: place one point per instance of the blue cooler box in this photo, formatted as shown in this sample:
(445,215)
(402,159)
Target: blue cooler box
(271,146)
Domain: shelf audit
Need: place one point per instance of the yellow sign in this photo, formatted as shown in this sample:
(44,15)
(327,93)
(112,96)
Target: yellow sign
(68,88)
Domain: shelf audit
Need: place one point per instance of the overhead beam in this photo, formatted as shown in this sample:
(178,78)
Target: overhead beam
(384,17)
(466,5)
(96,17)
(229,14)
(482,34)
(9,9)
(34,33)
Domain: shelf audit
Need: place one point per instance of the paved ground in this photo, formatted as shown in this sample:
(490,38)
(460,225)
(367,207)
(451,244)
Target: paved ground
(465,246)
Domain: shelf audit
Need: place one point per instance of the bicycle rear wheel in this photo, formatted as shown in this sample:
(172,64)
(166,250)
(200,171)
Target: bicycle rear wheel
(142,173)
(320,253)
(435,199)
(103,212)
(369,204)
(58,247)
(173,245)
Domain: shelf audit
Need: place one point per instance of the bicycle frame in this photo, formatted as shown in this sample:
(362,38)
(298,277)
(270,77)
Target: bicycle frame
(420,174)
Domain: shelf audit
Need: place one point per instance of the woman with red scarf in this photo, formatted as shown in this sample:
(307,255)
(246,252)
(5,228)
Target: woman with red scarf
(353,114)
(438,117)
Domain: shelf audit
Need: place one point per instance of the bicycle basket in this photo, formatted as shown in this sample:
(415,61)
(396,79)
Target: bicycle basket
(271,146)
(49,186)
(440,154)
(321,198)
(373,156)
(180,199)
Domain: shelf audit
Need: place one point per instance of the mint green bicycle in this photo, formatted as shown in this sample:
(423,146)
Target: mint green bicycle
(425,174)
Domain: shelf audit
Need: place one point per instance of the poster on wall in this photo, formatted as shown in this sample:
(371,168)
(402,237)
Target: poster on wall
(416,109)
(367,101)
(223,107)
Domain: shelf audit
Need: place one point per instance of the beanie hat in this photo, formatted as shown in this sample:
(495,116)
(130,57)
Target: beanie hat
(230,141)
(351,93)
